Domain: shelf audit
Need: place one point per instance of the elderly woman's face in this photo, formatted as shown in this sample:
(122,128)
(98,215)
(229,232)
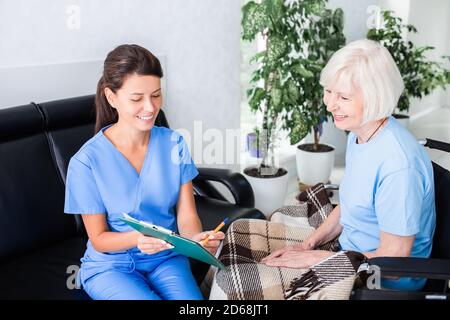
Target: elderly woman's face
(346,105)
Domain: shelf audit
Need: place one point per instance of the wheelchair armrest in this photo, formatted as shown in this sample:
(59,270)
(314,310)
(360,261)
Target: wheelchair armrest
(239,187)
(434,144)
(331,186)
(413,267)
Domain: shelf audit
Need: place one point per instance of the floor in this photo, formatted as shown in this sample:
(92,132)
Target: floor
(434,125)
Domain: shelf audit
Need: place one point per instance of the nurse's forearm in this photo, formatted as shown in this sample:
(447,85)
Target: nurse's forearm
(115,241)
(329,230)
(190,228)
(188,221)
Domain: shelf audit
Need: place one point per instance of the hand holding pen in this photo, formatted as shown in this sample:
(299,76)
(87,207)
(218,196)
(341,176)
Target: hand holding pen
(211,239)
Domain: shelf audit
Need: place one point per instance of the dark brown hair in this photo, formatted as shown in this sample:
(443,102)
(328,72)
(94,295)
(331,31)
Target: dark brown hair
(124,60)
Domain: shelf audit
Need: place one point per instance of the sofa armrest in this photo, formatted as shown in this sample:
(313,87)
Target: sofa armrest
(239,187)
(413,267)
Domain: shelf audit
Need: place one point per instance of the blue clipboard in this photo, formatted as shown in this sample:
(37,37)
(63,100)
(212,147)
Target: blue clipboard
(180,244)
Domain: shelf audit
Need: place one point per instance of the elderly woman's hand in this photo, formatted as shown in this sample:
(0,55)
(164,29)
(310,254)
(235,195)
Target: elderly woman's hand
(303,246)
(297,259)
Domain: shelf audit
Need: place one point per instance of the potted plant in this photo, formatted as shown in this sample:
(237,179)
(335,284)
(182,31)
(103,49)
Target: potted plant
(322,37)
(420,75)
(278,81)
(266,19)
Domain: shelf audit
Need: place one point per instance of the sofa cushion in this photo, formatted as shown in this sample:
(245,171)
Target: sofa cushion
(69,123)
(19,122)
(44,273)
(31,191)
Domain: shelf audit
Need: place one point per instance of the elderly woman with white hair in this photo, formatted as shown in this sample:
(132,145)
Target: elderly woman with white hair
(386,205)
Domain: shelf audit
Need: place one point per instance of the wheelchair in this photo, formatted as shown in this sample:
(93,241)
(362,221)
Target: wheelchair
(435,269)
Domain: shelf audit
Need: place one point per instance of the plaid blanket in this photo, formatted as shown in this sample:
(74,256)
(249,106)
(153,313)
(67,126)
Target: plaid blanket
(248,241)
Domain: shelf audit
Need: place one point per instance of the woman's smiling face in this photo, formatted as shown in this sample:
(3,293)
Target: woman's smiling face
(346,103)
(138,101)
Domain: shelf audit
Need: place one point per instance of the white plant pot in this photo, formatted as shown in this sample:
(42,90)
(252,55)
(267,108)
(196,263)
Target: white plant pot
(270,193)
(314,167)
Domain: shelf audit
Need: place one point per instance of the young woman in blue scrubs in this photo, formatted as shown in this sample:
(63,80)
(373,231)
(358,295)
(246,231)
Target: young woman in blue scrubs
(386,205)
(133,166)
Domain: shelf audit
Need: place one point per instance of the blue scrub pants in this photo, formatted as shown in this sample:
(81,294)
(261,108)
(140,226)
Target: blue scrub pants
(172,279)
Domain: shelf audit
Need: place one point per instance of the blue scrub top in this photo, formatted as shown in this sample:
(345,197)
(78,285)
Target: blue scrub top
(388,186)
(101,180)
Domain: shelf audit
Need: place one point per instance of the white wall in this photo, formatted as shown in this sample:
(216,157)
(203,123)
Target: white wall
(357,15)
(199,40)
(401,8)
(431,18)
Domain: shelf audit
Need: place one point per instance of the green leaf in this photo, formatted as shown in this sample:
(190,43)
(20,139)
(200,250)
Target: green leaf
(254,20)
(301,71)
(256,99)
(275,8)
(292,90)
(276,95)
(338,18)
(299,128)
(411,28)
(276,49)
(257,56)
(315,7)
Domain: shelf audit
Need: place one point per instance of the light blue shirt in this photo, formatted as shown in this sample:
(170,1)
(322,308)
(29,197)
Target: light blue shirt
(101,180)
(388,186)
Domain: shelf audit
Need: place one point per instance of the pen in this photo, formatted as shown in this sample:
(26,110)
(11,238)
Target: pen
(220,226)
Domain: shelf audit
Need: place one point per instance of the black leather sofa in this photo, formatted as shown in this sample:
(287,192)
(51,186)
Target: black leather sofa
(38,242)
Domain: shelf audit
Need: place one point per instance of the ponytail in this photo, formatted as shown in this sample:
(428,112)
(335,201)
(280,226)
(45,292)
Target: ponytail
(105,114)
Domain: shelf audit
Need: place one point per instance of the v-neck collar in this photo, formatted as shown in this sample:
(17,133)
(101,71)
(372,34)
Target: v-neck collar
(150,143)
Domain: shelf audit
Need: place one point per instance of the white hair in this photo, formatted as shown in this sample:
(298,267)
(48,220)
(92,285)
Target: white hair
(367,65)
